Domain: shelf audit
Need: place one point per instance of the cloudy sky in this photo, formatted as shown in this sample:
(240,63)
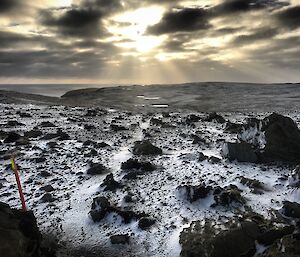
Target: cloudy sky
(149,41)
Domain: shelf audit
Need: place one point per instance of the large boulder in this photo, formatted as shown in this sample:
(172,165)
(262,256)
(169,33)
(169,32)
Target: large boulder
(282,138)
(19,234)
(242,152)
(291,209)
(288,246)
(12,137)
(146,148)
(133,164)
(110,184)
(235,238)
(198,240)
(97,169)
(275,138)
(227,196)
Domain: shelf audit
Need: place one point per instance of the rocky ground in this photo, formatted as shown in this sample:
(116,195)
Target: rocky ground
(103,182)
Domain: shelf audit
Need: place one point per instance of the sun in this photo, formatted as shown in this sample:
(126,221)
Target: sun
(132,25)
(65,2)
(60,3)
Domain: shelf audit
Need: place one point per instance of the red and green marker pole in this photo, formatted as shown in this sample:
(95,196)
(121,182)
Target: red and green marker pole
(15,170)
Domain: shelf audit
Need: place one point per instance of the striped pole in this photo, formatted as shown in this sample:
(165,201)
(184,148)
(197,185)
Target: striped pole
(15,170)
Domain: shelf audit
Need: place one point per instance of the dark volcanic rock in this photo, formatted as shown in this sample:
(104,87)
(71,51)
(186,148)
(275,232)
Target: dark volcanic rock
(242,152)
(95,144)
(291,209)
(110,184)
(117,128)
(228,195)
(282,139)
(33,133)
(47,124)
(234,238)
(288,246)
(192,118)
(14,123)
(198,140)
(156,122)
(134,168)
(49,136)
(62,135)
(45,174)
(59,135)
(97,169)
(47,198)
(119,239)
(239,240)
(133,164)
(202,157)
(270,236)
(39,159)
(254,184)
(47,188)
(19,234)
(233,127)
(92,112)
(101,206)
(12,137)
(294,179)
(3,134)
(89,127)
(24,114)
(280,136)
(146,222)
(215,117)
(145,148)
(193,193)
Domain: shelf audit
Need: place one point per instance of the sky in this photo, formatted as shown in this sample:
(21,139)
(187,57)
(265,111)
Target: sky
(149,42)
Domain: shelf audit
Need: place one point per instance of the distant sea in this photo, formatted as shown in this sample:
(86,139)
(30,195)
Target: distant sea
(48,89)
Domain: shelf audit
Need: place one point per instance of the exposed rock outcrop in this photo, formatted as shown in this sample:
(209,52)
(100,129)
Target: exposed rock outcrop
(146,148)
(275,138)
(19,234)
(236,238)
(101,207)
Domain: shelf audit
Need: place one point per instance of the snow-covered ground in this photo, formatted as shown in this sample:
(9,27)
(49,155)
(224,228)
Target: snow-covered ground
(155,193)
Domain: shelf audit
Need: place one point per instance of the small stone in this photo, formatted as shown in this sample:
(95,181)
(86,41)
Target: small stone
(119,239)
(97,169)
(146,222)
(47,198)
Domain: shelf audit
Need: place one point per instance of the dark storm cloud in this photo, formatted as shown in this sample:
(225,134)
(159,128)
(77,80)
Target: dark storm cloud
(80,26)
(58,59)
(46,63)
(275,54)
(9,39)
(105,6)
(75,21)
(241,6)
(290,17)
(192,19)
(187,19)
(83,20)
(8,5)
(260,34)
